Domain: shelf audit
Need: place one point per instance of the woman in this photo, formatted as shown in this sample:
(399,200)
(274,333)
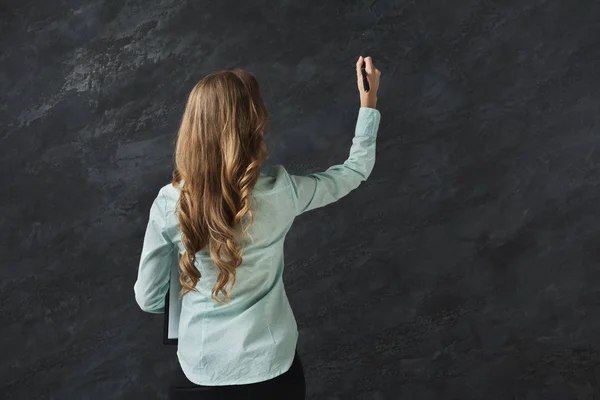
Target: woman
(241,346)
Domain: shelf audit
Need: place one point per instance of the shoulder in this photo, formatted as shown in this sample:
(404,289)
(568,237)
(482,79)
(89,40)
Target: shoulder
(275,170)
(168,196)
(272,177)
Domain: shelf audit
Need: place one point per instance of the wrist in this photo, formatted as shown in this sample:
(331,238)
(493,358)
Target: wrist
(368,101)
(368,104)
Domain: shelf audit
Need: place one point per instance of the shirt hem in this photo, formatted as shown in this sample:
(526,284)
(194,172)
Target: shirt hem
(246,381)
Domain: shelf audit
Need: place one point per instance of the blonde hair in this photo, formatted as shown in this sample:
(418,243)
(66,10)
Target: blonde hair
(219,150)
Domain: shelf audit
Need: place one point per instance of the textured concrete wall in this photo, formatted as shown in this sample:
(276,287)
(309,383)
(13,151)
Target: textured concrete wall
(466,267)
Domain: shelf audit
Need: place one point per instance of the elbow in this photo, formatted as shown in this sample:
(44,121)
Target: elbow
(153,308)
(361,169)
(142,302)
(363,174)
(147,304)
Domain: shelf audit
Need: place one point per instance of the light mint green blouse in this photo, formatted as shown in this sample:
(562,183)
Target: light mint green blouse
(253,338)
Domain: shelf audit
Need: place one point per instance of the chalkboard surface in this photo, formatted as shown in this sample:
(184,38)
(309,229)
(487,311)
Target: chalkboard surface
(466,267)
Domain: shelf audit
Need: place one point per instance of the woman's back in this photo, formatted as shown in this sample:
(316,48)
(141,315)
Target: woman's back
(251,337)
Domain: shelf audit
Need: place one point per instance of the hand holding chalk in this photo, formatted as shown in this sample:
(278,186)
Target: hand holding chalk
(368,81)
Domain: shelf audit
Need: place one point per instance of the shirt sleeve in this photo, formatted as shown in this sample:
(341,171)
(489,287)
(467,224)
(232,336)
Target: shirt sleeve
(320,189)
(155,262)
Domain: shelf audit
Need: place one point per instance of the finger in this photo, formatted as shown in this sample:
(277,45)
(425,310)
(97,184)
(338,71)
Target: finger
(359,65)
(369,65)
(359,81)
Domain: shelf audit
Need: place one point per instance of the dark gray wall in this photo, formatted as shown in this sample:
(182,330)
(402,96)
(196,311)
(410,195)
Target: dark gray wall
(466,267)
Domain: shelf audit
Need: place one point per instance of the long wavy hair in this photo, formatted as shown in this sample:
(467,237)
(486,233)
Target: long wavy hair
(219,150)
